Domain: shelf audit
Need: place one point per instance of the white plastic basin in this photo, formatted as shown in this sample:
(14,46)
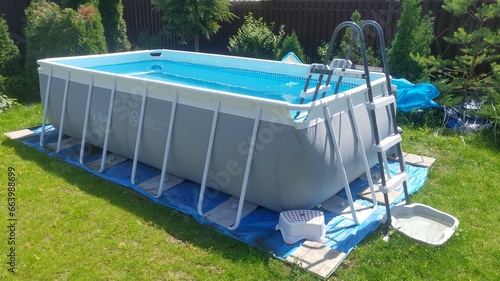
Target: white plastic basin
(423,223)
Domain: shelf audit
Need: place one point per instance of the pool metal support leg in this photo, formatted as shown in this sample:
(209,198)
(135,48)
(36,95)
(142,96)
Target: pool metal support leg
(139,134)
(45,106)
(167,146)
(208,158)
(333,141)
(63,112)
(362,148)
(108,127)
(86,119)
(247,168)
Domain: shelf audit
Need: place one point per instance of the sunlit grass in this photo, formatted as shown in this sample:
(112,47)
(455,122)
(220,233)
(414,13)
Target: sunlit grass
(75,226)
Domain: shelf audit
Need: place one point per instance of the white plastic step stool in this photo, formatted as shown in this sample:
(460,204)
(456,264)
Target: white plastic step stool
(296,225)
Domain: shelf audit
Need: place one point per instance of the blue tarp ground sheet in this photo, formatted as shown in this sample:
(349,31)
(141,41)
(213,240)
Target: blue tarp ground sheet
(256,229)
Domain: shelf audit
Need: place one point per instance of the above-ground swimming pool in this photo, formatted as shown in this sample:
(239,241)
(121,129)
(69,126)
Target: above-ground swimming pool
(234,124)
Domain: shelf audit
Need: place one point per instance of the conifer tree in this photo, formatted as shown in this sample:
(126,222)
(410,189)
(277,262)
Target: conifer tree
(190,19)
(413,37)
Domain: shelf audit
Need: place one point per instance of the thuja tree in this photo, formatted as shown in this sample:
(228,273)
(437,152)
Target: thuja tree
(291,44)
(190,19)
(115,29)
(478,46)
(413,38)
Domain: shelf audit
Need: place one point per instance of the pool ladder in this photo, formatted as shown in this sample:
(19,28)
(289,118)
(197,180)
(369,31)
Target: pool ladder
(382,146)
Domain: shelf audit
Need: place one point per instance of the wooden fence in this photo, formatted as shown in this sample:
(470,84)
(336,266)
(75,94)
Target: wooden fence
(312,20)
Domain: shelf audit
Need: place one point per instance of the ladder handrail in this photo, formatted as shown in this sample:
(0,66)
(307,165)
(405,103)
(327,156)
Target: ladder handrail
(348,54)
(359,32)
(383,53)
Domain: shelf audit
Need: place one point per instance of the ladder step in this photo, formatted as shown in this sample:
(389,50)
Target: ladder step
(393,182)
(310,92)
(340,72)
(381,102)
(387,143)
(341,63)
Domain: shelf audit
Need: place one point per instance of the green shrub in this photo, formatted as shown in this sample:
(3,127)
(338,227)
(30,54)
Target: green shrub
(115,29)
(9,53)
(11,81)
(291,44)
(6,102)
(55,32)
(256,39)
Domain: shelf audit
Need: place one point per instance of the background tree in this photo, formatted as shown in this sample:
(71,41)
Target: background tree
(414,35)
(291,44)
(9,53)
(190,19)
(55,32)
(10,68)
(475,71)
(115,28)
(341,50)
(256,39)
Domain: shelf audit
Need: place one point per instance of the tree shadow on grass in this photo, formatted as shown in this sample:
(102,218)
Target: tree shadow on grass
(182,227)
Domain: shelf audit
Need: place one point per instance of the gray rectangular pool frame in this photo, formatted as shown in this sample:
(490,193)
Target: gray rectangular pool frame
(248,147)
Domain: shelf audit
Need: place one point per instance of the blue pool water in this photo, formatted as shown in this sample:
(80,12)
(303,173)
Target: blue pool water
(239,81)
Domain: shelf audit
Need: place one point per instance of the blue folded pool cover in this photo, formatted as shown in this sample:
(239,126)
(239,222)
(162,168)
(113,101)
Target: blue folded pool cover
(414,96)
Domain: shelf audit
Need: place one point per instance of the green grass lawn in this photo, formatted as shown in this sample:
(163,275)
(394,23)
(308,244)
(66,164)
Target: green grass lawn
(72,225)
